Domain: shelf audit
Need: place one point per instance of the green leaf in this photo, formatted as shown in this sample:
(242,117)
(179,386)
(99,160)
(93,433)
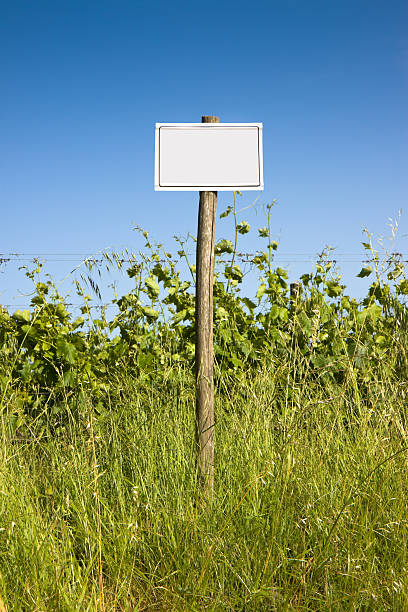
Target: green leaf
(133,270)
(153,288)
(162,274)
(26,371)
(244,346)
(38,300)
(226,335)
(373,312)
(237,363)
(22,315)
(224,246)
(226,212)
(69,378)
(78,322)
(149,313)
(30,330)
(274,312)
(249,304)
(66,350)
(221,313)
(234,272)
(365,272)
(333,289)
(305,323)
(260,259)
(261,291)
(244,227)
(180,316)
(396,272)
(402,287)
(278,312)
(283,313)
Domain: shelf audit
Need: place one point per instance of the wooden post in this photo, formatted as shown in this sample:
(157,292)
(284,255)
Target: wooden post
(295,291)
(204,356)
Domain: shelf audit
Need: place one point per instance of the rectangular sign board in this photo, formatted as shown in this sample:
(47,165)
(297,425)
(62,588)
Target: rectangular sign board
(208,157)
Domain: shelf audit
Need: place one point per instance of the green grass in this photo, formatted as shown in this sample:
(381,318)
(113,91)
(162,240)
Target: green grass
(309,512)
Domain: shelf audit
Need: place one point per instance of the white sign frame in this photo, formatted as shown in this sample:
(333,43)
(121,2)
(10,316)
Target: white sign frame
(221,138)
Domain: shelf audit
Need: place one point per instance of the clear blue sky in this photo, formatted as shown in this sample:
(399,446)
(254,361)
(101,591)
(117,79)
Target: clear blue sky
(83,83)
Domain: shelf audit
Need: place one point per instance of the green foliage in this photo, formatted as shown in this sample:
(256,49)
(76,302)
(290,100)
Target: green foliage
(98,490)
(365,272)
(48,356)
(243,227)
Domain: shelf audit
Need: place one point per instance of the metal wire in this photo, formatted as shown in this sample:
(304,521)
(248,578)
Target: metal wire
(244,257)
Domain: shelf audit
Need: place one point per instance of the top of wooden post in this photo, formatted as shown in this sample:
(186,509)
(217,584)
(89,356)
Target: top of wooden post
(209,119)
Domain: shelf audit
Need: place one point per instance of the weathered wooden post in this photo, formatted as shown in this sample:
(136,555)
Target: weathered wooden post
(204,354)
(295,291)
(207,158)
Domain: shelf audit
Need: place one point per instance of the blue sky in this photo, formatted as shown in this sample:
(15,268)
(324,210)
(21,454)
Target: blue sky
(84,82)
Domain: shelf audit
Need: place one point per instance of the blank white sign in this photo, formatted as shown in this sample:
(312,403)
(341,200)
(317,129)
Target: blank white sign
(208,157)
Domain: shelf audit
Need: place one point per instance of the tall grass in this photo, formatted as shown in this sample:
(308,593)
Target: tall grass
(310,509)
